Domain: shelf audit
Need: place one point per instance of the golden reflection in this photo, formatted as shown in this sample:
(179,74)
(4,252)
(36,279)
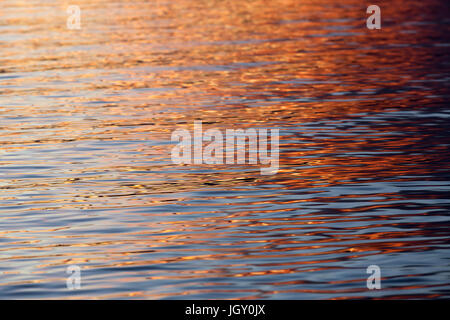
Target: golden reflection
(86,119)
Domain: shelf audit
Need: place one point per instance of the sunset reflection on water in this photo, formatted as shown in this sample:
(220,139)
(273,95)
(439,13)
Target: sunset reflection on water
(86,176)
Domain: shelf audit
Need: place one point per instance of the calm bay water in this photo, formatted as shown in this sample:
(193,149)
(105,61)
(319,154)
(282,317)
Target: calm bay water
(86,177)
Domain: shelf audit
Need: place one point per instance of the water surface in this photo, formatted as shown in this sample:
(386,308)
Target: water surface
(86,176)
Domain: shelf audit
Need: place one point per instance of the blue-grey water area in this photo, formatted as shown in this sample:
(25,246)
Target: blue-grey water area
(86,176)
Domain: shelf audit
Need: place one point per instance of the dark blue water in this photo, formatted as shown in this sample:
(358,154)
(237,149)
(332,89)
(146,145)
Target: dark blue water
(86,176)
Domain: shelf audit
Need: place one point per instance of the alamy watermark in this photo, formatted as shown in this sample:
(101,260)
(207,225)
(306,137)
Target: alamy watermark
(374,20)
(227,147)
(374,280)
(74,19)
(73,281)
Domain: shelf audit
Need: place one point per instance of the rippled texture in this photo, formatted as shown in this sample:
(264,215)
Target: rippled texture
(86,176)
